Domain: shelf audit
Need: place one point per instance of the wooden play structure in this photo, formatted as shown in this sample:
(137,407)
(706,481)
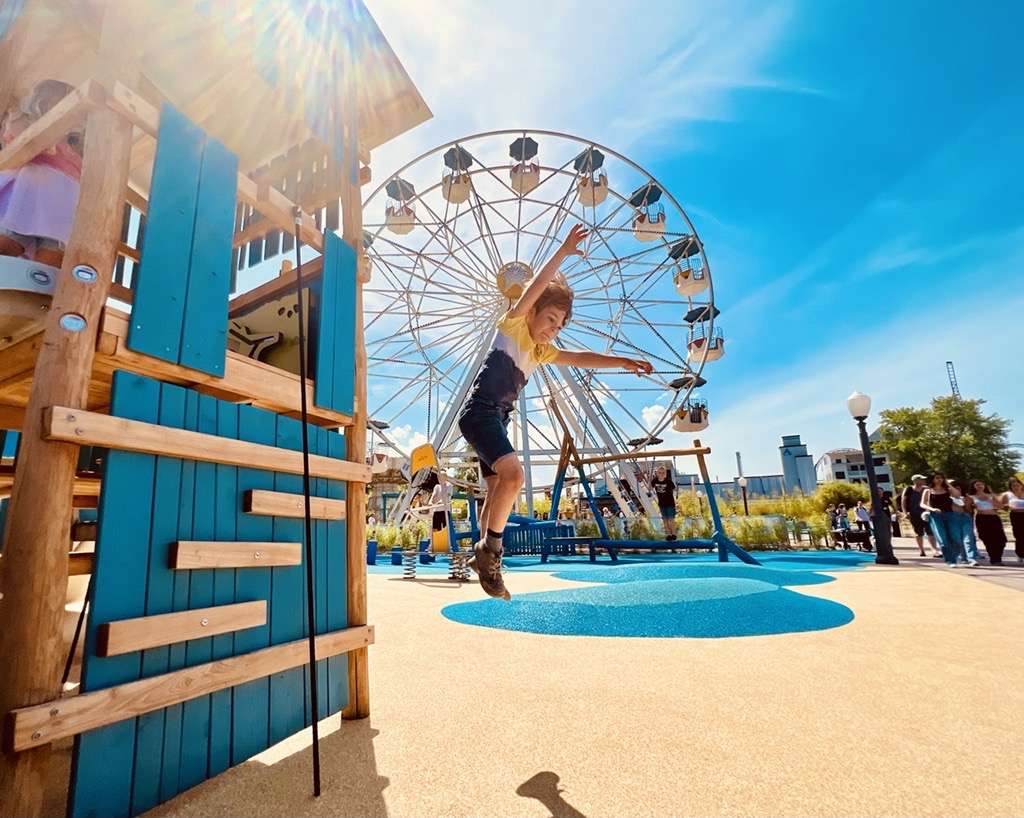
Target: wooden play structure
(217,125)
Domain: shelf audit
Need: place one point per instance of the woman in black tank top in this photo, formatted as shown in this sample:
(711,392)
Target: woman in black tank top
(938,503)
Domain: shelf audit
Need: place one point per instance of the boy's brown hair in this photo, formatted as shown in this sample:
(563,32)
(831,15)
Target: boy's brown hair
(557,294)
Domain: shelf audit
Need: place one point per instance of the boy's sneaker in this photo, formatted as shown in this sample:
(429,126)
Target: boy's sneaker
(486,562)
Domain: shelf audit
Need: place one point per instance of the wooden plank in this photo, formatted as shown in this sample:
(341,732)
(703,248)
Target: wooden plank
(119,592)
(284,504)
(60,718)
(251,728)
(195,719)
(80,563)
(127,635)
(318,444)
(190,555)
(287,610)
(327,327)
(204,330)
(67,115)
(337,584)
(343,394)
(149,731)
(162,279)
(79,426)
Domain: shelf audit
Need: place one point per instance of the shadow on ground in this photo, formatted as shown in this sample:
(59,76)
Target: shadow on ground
(544,788)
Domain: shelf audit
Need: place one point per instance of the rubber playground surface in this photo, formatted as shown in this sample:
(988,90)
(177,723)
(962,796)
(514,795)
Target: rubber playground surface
(818,684)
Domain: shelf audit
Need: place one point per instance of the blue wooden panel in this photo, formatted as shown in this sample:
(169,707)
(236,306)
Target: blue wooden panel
(337,575)
(162,277)
(318,442)
(102,774)
(195,731)
(335,364)
(324,370)
(250,733)
(345,335)
(286,607)
(226,505)
(204,330)
(169,778)
(149,740)
(10,443)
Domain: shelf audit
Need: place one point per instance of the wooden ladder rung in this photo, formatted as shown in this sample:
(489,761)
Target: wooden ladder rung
(80,563)
(192,555)
(283,504)
(128,635)
(90,428)
(44,723)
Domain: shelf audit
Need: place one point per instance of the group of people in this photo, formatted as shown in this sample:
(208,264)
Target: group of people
(954,515)
(839,522)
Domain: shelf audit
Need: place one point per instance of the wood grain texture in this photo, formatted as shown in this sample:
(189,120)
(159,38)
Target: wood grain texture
(60,718)
(48,130)
(190,555)
(36,546)
(128,635)
(284,504)
(82,427)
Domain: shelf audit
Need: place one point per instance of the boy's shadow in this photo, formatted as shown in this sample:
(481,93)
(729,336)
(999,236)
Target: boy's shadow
(544,787)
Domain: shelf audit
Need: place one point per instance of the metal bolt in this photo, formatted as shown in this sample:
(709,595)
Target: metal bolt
(36,736)
(84,273)
(54,712)
(73,322)
(204,621)
(257,555)
(40,276)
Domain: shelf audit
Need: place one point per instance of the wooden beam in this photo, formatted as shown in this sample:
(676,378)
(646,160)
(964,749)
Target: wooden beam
(129,635)
(355,437)
(128,252)
(93,429)
(80,563)
(283,504)
(277,208)
(86,487)
(44,723)
(11,417)
(609,458)
(39,513)
(136,199)
(83,532)
(122,293)
(193,555)
(49,129)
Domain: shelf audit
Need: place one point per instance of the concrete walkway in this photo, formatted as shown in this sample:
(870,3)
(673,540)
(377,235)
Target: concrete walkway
(910,709)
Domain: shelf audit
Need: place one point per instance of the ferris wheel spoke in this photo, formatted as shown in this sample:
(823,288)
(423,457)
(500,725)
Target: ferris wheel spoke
(480,269)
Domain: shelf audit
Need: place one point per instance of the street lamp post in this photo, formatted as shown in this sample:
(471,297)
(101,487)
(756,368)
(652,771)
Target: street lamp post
(859,406)
(743,490)
(700,501)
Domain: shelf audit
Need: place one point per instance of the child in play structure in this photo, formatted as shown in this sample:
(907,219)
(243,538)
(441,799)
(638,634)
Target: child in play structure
(524,340)
(38,199)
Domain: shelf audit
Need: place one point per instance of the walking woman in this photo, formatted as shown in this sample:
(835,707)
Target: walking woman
(1014,501)
(938,502)
(986,517)
(961,523)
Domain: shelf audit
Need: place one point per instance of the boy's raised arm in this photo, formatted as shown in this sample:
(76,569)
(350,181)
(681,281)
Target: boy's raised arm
(598,360)
(569,247)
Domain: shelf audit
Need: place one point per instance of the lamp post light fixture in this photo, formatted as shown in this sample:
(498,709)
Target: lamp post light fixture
(743,489)
(859,405)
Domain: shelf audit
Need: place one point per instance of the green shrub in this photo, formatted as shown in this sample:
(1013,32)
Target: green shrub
(587,528)
(640,528)
(838,492)
(387,537)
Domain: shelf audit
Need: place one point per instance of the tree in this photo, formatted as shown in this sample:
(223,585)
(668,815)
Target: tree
(953,436)
(836,492)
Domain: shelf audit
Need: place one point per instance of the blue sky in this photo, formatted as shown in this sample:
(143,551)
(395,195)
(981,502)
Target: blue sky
(853,168)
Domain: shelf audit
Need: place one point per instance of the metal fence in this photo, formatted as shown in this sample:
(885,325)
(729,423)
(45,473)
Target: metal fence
(527,539)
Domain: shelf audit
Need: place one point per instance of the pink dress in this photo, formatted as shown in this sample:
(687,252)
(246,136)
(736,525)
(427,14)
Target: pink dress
(39,198)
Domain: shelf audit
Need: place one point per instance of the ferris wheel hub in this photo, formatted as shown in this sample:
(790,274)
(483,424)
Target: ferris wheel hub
(512,278)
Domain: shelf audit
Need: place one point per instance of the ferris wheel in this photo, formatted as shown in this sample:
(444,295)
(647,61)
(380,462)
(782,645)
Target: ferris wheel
(455,235)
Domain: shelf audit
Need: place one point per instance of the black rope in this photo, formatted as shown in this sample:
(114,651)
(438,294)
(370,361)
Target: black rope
(78,630)
(310,589)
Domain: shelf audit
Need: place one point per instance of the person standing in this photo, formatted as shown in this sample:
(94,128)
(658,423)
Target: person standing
(986,517)
(863,516)
(665,490)
(962,523)
(938,502)
(842,525)
(1014,501)
(910,507)
(885,501)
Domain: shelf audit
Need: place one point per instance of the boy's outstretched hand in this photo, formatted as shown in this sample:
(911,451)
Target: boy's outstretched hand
(571,245)
(639,366)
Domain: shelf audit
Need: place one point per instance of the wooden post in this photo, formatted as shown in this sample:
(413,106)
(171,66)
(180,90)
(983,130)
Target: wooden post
(355,436)
(39,517)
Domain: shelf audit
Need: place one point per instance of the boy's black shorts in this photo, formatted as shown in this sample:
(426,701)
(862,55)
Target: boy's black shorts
(486,430)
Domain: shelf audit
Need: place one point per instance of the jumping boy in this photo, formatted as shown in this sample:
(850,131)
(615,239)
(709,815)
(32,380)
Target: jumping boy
(523,341)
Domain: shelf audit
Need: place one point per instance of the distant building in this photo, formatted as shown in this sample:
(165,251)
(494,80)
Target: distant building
(763,485)
(847,465)
(797,466)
